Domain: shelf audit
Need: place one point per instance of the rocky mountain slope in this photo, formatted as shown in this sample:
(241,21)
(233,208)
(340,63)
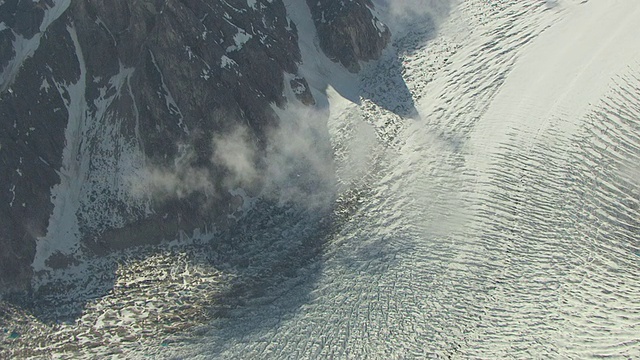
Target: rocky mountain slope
(114,115)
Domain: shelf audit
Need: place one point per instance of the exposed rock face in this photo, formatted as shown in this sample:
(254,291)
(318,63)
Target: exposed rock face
(301,90)
(348,31)
(108,110)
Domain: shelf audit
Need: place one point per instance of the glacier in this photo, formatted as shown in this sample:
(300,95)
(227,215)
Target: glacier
(488,207)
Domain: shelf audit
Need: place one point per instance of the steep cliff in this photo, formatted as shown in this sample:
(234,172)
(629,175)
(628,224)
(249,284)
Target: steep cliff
(109,113)
(348,32)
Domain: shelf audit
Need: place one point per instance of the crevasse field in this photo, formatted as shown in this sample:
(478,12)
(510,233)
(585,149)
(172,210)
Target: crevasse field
(490,207)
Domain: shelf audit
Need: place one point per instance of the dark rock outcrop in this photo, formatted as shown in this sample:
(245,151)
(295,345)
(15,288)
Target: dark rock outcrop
(348,31)
(301,89)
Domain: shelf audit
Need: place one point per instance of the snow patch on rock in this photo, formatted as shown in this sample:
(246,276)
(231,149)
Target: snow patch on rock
(240,38)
